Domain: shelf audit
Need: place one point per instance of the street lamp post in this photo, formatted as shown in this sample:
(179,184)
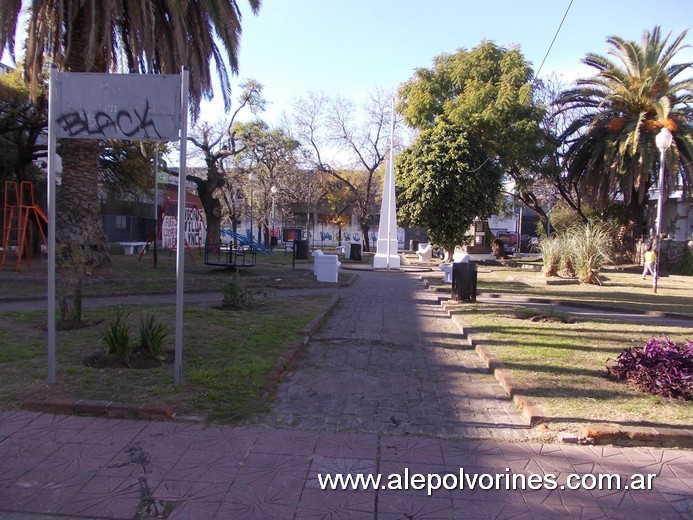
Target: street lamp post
(663,140)
(251,178)
(274,190)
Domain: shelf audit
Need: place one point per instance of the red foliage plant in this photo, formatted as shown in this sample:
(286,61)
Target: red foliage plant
(659,367)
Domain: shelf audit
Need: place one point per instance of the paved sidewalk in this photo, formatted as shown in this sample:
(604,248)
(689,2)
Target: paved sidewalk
(385,387)
(96,468)
(390,360)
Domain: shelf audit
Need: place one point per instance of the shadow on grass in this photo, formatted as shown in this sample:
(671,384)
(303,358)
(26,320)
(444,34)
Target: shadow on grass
(650,424)
(538,340)
(556,370)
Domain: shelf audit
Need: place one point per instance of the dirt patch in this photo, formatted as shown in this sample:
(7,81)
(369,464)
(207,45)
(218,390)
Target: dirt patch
(137,361)
(74,325)
(551,319)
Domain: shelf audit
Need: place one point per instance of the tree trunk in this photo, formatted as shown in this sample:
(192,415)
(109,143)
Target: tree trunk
(266,237)
(212,209)
(530,200)
(364,234)
(79,232)
(213,227)
(628,235)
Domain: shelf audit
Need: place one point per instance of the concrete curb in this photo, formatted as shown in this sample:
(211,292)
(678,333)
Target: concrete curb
(289,358)
(99,408)
(638,436)
(529,411)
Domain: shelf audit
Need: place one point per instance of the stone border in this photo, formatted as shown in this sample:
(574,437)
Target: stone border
(99,408)
(530,412)
(289,358)
(637,436)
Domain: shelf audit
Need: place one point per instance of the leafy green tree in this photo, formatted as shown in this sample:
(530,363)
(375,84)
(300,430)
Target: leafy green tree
(489,93)
(443,182)
(22,142)
(155,36)
(611,151)
(22,129)
(126,168)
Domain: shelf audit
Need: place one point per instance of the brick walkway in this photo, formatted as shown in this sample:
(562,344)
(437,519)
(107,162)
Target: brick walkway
(386,387)
(389,360)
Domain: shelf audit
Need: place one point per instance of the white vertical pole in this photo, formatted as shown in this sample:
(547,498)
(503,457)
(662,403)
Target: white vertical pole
(391,180)
(50,203)
(156,205)
(660,205)
(180,242)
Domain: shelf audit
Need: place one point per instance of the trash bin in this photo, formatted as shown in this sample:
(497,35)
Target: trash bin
(301,249)
(273,241)
(355,252)
(413,245)
(463,281)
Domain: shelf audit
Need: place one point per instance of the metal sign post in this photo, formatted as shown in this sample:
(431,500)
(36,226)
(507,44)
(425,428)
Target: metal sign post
(151,107)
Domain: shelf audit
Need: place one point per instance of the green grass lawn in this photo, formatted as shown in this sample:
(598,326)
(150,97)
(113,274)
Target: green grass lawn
(619,289)
(228,358)
(131,275)
(229,354)
(561,366)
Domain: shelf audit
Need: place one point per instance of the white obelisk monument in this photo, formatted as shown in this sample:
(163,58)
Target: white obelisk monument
(386,256)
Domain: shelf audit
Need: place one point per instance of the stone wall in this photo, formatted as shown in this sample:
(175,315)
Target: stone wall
(672,253)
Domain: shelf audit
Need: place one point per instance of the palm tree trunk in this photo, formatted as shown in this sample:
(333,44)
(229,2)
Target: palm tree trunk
(79,232)
(629,233)
(78,225)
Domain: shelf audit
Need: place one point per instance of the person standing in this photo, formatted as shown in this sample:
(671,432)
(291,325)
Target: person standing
(650,257)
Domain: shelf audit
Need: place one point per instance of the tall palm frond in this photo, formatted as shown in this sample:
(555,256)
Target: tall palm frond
(157,36)
(611,148)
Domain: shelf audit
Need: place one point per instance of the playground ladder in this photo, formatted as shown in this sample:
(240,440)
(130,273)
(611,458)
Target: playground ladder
(19,207)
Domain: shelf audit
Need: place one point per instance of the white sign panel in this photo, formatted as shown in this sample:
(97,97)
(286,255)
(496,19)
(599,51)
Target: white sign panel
(118,106)
(169,232)
(194,229)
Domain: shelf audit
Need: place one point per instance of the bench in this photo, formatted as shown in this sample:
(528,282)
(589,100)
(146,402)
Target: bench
(447,268)
(131,248)
(425,252)
(326,267)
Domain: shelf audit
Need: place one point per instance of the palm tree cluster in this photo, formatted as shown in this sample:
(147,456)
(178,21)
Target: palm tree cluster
(610,151)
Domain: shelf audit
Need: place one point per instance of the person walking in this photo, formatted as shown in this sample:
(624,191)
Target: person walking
(650,257)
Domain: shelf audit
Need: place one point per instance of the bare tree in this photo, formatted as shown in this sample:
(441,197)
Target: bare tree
(332,129)
(214,143)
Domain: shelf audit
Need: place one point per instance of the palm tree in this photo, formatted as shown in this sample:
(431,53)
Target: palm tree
(610,146)
(156,36)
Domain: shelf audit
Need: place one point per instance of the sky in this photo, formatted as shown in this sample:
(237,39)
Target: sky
(350,48)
